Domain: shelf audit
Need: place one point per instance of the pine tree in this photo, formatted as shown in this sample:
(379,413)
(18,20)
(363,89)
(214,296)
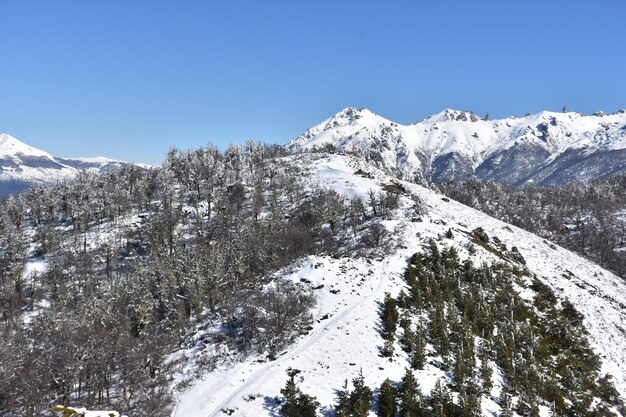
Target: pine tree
(441,399)
(342,408)
(408,336)
(410,395)
(295,402)
(307,406)
(523,404)
(387,402)
(418,357)
(471,399)
(486,372)
(388,349)
(360,397)
(505,404)
(534,407)
(459,367)
(290,399)
(390,317)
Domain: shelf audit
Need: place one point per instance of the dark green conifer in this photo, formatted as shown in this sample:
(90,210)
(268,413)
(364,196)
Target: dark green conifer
(387,402)
(418,354)
(486,372)
(390,317)
(505,404)
(441,399)
(388,349)
(410,396)
(295,402)
(342,408)
(360,397)
(290,394)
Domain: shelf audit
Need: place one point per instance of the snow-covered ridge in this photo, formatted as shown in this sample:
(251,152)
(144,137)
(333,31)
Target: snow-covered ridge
(345,336)
(22,165)
(457,144)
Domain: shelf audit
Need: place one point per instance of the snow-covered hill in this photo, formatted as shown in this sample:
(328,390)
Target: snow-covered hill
(544,148)
(345,336)
(22,165)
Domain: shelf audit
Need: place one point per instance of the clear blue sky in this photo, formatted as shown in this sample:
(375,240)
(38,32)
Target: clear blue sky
(128,79)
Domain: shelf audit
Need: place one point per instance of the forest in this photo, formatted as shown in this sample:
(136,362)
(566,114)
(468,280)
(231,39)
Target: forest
(588,218)
(103,276)
(472,323)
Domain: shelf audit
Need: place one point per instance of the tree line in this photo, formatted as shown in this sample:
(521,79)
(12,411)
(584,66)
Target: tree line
(103,276)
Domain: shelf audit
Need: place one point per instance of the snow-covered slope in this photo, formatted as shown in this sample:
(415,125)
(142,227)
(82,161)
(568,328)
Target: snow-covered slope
(345,336)
(22,165)
(547,148)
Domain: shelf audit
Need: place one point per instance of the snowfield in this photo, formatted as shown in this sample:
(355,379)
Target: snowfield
(345,336)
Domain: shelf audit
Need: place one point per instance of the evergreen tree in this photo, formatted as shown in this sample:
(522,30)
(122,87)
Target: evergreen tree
(387,402)
(459,367)
(486,373)
(505,404)
(388,349)
(290,394)
(342,408)
(408,334)
(410,396)
(471,397)
(360,397)
(307,406)
(295,402)
(441,399)
(418,354)
(390,317)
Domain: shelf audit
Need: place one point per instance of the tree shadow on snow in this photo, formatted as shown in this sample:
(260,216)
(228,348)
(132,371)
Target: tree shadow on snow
(327,411)
(271,405)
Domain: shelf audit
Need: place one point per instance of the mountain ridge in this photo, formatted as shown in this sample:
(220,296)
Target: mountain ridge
(22,165)
(457,145)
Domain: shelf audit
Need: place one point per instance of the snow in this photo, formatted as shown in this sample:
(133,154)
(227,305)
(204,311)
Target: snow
(345,336)
(35,267)
(462,133)
(95,160)
(83,412)
(10,146)
(24,165)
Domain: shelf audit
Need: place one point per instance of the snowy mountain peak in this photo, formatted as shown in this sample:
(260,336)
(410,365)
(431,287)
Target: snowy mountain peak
(10,146)
(22,165)
(354,112)
(542,148)
(451,115)
(353,115)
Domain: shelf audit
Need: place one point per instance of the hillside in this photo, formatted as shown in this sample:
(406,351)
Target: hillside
(547,148)
(345,336)
(195,288)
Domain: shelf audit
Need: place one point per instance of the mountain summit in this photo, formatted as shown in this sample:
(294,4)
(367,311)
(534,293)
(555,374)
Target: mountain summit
(10,146)
(545,148)
(21,166)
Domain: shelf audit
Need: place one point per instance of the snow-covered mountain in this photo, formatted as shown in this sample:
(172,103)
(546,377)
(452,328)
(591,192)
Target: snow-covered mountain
(22,165)
(345,337)
(544,148)
(549,331)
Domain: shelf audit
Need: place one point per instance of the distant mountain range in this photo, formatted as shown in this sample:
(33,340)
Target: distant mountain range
(22,165)
(547,148)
